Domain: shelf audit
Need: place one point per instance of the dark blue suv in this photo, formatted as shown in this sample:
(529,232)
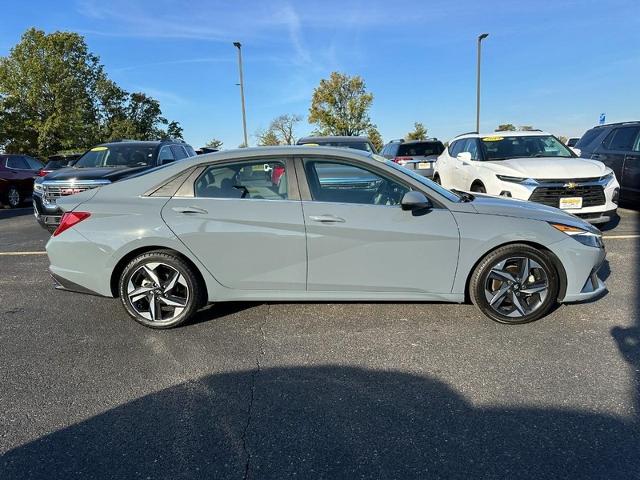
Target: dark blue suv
(617,145)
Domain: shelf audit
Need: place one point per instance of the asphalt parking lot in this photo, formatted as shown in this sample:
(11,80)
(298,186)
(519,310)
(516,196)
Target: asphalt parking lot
(315,390)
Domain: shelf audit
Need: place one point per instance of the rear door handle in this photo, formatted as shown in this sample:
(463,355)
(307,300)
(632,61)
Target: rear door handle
(189,210)
(326,219)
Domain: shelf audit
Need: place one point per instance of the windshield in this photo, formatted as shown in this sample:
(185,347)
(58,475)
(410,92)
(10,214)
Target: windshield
(424,180)
(503,148)
(355,145)
(126,155)
(424,149)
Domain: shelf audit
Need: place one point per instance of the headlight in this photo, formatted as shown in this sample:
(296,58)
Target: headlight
(585,237)
(507,178)
(37,187)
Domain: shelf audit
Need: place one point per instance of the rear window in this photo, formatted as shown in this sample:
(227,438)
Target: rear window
(421,149)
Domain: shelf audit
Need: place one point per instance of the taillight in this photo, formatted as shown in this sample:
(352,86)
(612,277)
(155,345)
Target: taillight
(42,172)
(402,161)
(70,219)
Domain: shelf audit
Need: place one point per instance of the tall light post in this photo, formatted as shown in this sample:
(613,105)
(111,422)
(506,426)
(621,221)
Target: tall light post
(480,38)
(244,115)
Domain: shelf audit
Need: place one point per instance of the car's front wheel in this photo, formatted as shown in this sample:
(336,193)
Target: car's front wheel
(515,284)
(160,290)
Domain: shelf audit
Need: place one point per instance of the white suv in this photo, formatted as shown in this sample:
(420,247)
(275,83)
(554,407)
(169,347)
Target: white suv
(532,166)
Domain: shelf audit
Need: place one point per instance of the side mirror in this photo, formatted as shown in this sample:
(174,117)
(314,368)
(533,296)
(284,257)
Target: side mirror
(464,157)
(415,201)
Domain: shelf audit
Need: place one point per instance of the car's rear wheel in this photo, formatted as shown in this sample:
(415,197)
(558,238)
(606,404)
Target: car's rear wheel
(160,290)
(14,199)
(515,284)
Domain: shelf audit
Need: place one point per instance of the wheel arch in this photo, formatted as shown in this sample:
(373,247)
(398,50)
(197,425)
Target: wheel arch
(562,274)
(124,261)
(480,183)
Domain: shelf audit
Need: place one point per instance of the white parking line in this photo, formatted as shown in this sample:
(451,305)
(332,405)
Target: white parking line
(619,237)
(15,254)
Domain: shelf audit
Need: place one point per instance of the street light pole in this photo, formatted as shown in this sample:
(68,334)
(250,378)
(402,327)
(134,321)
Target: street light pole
(244,115)
(480,38)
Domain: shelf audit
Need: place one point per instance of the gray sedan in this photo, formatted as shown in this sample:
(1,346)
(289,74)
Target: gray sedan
(316,224)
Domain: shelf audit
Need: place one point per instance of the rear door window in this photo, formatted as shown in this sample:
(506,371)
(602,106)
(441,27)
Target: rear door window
(17,163)
(622,139)
(165,156)
(254,180)
(178,152)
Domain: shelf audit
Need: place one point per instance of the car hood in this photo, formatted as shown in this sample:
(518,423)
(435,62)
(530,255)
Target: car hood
(98,173)
(511,207)
(549,167)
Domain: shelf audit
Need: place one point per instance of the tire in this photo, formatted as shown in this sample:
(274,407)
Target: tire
(478,188)
(161,301)
(436,178)
(521,298)
(14,199)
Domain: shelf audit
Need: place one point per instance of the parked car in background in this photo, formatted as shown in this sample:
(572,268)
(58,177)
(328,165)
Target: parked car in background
(17,173)
(530,165)
(617,145)
(102,165)
(418,155)
(56,162)
(214,228)
(358,143)
(571,141)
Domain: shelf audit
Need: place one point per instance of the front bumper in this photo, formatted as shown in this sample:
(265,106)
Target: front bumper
(593,214)
(581,265)
(48,215)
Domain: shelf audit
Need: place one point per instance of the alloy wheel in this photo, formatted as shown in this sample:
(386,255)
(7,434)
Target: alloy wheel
(13,197)
(158,292)
(516,287)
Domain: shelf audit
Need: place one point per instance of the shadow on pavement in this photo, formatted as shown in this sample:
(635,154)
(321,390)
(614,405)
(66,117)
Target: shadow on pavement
(15,212)
(329,422)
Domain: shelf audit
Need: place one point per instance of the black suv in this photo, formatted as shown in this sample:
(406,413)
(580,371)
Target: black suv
(418,155)
(617,145)
(103,164)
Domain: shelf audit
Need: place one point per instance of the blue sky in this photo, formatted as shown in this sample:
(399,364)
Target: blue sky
(552,64)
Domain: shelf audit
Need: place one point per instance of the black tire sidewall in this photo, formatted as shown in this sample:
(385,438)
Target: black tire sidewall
(484,267)
(173,260)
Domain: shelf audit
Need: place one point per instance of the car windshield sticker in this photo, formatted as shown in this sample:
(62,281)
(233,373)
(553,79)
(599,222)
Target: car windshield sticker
(492,139)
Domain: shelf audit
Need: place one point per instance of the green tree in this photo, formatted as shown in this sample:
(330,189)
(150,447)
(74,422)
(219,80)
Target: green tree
(55,95)
(506,127)
(267,138)
(419,132)
(174,130)
(214,143)
(375,137)
(340,106)
(48,99)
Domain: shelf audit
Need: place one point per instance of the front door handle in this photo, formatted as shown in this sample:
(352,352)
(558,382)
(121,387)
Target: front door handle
(326,219)
(189,210)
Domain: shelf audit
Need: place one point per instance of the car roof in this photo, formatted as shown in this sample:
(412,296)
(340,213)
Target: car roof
(284,150)
(503,133)
(334,138)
